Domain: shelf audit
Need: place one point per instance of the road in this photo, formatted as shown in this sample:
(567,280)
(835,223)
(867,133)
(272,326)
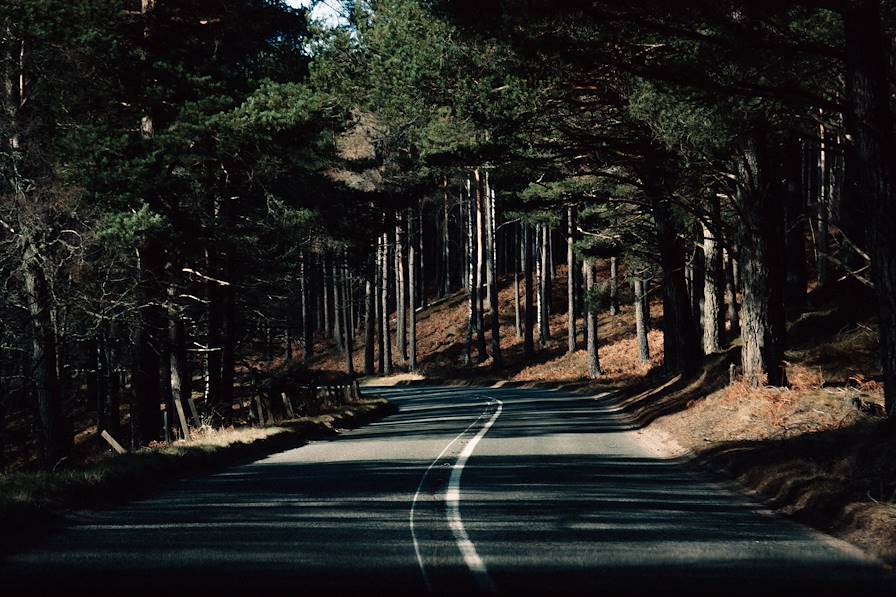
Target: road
(463,491)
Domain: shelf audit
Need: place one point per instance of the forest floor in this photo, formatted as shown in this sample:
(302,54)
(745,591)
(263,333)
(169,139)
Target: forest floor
(818,451)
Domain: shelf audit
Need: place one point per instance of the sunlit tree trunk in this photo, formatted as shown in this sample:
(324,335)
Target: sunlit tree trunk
(401,289)
(640,304)
(571,280)
(489,209)
(384,311)
(529,332)
(412,290)
(593,360)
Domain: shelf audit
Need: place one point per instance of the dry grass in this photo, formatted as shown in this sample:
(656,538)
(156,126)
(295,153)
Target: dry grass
(30,499)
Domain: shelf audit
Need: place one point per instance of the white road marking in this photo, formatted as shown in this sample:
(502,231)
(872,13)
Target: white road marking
(452,499)
(420,488)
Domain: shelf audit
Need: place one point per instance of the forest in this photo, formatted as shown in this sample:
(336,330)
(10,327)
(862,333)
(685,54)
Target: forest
(197,197)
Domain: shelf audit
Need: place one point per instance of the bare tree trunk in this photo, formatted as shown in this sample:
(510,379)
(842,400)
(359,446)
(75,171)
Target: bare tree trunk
(497,360)
(713,294)
(547,269)
(338,307)
(228,337)
(384,310)
(795,227)
(472,285)
(614,286)
(480,263)
(369,319)
(571,280)
(821,203)
(421,257)
(446,241)
(346,319)
(594,370)
(146,397)
(761,266)
(529,333)
(401,289)
(412,290)
(325,296)
(517,258)
(307,339)
(641,320)
(378,304)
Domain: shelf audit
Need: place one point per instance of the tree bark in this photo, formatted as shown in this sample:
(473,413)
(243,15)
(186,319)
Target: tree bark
(446,241)
(681,351)
(307,339)
(146,386)
(614,286)
(761,265)
(570,280)
(795,227)
(517,258)
(529,335)
(378,304)
(592,357)
(346,318)
(384,311)
(497,360)
(412,291)
(822,264)
(546,271)
(401,288)
(713,293)
(641,320)
(482,353)
(369,320)
(869,121)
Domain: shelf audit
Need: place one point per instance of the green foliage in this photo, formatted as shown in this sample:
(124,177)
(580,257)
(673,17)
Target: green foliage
(127,229)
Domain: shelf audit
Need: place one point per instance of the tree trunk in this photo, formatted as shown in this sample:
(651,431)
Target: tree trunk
(401,289)
(641,320)
(546,270)
(594,370)
(446,241)
(795,226)
(517,258)
(384,311)
(681,351)
(369,320)
(471,284)
(614,286)
(713,294)
(228,329)
(412,291)
(146,386)
(480,264)
(497,360)
(761,266)
(869,121)
(346,319)
(529,335)
(571,280)
(698,285)
(378,305)
(54,442)
(115,380)
(821,204)
(307,340)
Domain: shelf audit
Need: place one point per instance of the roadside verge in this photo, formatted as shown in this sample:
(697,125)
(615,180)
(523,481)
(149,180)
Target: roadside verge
(34,502)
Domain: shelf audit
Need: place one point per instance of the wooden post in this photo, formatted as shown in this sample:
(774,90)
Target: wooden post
(111,441)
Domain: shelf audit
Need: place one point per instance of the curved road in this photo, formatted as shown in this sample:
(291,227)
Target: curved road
(463,491)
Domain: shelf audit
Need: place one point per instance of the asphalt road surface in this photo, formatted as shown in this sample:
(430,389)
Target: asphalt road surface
(464,491)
